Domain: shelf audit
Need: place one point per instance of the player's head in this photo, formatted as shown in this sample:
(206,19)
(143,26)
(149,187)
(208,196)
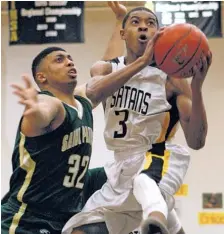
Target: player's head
(53,67)
(139,25)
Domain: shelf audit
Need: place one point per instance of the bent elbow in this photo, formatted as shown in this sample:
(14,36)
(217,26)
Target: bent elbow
(196,145)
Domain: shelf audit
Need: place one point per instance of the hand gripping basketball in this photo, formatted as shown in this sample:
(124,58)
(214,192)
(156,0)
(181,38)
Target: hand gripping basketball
(149,50)
(179,49)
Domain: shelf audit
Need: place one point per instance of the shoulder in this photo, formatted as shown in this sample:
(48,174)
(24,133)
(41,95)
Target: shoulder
(80,94)
(81,97)
(177,87)
(103,67)
(49,100)
(47,96)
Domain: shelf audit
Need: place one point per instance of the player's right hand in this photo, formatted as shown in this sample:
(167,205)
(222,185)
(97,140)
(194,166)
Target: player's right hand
(201,71)
(27,95)
(119,10)
(149,50)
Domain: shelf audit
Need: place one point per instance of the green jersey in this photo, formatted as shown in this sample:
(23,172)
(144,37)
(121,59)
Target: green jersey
(95,179)
(49,170)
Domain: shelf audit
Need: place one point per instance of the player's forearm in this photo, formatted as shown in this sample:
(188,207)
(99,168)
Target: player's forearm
(101,87)
(198,126)
(115,46)
(41,117)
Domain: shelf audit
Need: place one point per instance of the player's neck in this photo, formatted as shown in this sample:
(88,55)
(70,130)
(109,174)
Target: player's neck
(65,94)
(130,57)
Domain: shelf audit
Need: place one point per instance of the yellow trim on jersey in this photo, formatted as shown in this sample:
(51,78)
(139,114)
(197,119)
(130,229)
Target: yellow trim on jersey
(183,190)
(26,163)
(165,126)
(165,158)
(148,160)
(173,131)
(16,218)
(160,139)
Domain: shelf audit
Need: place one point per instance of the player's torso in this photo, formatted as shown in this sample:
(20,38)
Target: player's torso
(135,114)
(49,170)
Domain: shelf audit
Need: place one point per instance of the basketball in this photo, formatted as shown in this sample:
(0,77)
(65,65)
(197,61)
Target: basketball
(179,49)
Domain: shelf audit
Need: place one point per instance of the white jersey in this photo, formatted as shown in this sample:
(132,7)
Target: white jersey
(134,115)
(137,116)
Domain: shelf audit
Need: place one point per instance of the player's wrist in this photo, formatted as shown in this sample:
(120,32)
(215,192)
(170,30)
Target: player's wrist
(142,62)
(196,89)
(120,18)
(119,23)
(196,85)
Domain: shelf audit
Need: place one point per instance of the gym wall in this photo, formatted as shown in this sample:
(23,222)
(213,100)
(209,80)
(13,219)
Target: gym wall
(206,171)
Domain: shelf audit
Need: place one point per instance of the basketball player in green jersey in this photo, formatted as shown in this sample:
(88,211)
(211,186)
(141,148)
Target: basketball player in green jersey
(54,141)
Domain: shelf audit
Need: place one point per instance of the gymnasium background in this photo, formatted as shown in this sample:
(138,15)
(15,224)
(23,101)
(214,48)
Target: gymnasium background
(206,173)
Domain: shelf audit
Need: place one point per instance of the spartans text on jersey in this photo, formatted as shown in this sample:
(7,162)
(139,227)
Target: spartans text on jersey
(131,98)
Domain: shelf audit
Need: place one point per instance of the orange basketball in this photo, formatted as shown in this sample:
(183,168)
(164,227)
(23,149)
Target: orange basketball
(179,49)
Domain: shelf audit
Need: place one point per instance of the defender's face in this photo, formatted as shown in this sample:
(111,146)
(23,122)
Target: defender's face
(139,29)
(59,68)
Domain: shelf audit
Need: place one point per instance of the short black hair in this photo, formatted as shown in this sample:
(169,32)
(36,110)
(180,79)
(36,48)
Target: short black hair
(41,56)
(137,9)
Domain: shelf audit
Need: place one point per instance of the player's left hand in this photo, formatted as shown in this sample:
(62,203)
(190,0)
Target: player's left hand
(201,70)
(119,10)
(27,95)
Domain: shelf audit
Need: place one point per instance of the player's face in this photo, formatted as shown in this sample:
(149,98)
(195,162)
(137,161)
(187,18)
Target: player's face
(59,68)
(139,29)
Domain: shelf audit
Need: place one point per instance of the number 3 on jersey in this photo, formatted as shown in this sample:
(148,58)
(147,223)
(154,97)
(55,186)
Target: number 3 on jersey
(76,162)
(122,123)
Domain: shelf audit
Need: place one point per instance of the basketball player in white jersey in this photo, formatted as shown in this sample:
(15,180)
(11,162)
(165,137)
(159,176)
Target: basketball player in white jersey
(177,157)
(137,117)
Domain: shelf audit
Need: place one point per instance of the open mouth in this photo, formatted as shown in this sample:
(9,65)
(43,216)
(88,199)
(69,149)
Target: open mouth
(143,38)
(72,72)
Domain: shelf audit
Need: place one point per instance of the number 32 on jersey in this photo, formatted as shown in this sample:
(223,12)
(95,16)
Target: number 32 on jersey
(77,163)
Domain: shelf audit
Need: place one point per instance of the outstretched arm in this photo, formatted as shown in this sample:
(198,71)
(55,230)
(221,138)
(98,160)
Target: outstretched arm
(41,112)
(115,47)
